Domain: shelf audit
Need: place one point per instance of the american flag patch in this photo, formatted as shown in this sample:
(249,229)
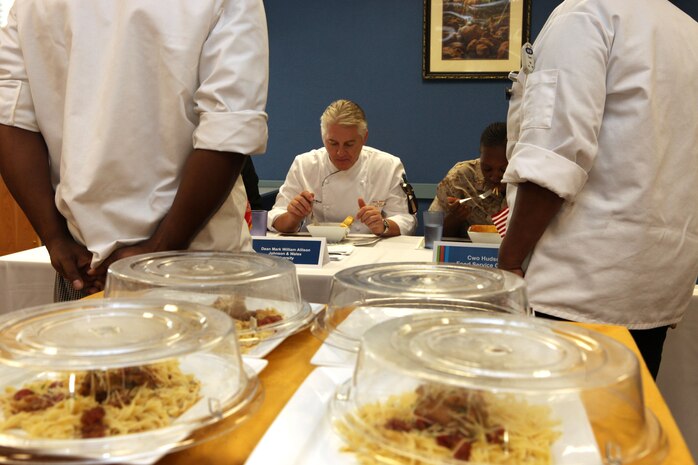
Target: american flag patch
(500,221)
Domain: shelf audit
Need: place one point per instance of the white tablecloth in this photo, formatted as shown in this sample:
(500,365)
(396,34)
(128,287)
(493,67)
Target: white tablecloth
(26,279)
(316,283)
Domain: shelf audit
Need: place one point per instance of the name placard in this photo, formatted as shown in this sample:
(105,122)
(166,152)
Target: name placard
(302,251)
(466,253)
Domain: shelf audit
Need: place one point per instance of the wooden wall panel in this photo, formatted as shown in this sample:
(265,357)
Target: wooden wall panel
(16,233)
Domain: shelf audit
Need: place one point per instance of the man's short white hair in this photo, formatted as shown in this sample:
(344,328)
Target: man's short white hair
(345,113)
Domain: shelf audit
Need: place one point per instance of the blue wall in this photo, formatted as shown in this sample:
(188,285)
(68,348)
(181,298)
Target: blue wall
(370,51)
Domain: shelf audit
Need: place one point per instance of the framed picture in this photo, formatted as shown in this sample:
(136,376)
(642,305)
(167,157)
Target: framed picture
(474,39)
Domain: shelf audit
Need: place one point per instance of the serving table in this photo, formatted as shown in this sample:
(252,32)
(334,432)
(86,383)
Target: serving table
(289,365)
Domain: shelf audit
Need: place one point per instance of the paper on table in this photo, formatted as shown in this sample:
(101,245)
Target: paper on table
(340,249)
(339,252)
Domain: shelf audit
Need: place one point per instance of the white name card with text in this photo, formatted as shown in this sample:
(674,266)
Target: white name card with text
(466,253)
(302,251)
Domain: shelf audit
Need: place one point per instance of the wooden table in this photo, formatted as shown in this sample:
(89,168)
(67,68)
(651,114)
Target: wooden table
(289,365)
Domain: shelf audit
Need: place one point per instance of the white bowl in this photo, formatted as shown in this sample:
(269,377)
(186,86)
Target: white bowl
(333,232)
(485,237)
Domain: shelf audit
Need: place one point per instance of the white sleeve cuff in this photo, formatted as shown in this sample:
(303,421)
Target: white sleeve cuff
(242,132)
(17,106)
(545,168)
(406,222)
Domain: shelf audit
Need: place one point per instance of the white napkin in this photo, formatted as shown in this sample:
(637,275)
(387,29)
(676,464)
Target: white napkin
(340,249)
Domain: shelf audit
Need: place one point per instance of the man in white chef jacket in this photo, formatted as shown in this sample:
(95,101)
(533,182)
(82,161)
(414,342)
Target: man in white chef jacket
(603,167)
(344,178)
(124,125)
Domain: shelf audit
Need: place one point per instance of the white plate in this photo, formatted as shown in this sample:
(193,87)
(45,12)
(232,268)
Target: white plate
(262,349)
(257,365)
(302,435)
(359,240)
(252,365)
(329,356)
(259,350)
(355,324)
(217,377)
(356,239)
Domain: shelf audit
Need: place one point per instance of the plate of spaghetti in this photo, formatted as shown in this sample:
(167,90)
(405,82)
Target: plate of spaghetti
(465,388)
(438,424)
(260,292)
(101,403)
(260,324)
(258,329)
(313,435)
(114,380)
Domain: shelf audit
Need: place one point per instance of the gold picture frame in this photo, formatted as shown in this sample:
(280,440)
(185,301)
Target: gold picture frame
(474,39)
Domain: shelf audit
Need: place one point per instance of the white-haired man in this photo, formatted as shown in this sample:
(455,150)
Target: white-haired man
(344,178)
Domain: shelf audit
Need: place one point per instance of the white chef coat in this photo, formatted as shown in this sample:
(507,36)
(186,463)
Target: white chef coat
(376,177)
(122,91)
(608,121)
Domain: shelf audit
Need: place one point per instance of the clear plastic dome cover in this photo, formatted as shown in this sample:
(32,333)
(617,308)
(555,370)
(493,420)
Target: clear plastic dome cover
(365,295)
(260,292)
(484,389)
(112,380)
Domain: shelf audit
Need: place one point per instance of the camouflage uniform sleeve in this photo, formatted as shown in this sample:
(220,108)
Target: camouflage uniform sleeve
(460,182)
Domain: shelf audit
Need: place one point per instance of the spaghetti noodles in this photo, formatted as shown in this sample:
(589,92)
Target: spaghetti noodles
(451,425)
(100,403)
(248,320)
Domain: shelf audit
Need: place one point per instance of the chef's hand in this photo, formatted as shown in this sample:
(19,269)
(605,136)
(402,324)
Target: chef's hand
(99,274)
(301,205)
(71,260)
(296,211)
(371,216)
